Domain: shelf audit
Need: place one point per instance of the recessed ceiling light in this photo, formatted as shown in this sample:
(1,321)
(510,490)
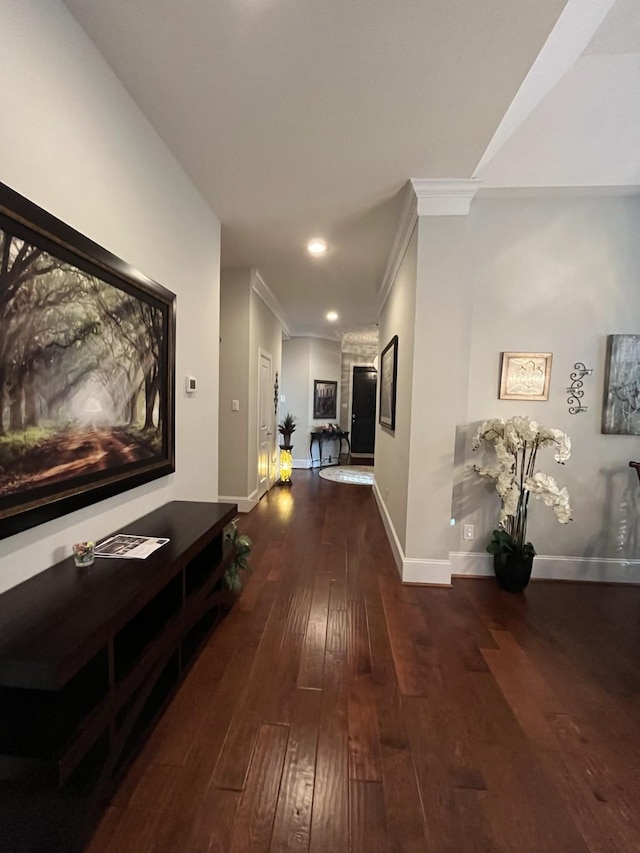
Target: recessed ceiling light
(332,316)
(317,246)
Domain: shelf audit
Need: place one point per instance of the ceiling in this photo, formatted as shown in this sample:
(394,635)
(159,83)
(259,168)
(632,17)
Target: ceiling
(576,119)
(298,119)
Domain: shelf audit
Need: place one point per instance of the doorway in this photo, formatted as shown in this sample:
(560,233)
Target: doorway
(266,441)
(363,410)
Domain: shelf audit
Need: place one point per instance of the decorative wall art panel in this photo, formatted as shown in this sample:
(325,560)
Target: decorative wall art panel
(621,409)
(86,370)
(525,376)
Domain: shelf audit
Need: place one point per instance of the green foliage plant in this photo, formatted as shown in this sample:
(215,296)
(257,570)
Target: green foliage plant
(287,427)
(242,545)
(503,544)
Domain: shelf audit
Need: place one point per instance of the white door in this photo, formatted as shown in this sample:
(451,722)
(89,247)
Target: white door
(265,424)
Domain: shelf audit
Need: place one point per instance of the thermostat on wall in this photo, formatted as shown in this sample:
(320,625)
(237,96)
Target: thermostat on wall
(190,384)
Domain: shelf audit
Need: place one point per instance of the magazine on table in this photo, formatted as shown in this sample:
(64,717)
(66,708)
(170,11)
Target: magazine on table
(130,547)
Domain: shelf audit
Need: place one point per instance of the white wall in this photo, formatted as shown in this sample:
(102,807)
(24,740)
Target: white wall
(247,326)
(235,294)
(325,364)
(441,354)
(303,361)
(74,142)
(294,386)
(392,448)
(517,274)
(559,276)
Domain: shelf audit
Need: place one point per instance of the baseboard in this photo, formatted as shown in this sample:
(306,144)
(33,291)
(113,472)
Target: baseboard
(591,569)
(306,463)
(301,463)
(392,536)
(411,570)
(427,572)
(473,564)
(244,504)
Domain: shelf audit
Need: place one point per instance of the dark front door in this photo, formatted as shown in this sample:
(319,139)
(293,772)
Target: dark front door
(363,411)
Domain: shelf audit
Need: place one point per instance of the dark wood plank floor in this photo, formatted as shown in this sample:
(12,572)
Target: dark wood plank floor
(335,710)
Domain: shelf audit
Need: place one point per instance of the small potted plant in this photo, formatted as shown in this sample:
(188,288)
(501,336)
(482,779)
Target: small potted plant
(242,545)
(515,445)
(286,428)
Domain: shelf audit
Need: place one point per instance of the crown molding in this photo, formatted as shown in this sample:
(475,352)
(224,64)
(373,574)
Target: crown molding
(450,197)
(425,197)
(493,191)
(259,285)
(404,232)
(334,336)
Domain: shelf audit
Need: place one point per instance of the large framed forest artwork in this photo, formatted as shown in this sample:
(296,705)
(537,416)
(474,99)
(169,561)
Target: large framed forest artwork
(87,354)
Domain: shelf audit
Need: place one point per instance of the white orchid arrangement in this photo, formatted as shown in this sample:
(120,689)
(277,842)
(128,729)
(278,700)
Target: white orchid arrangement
(515,443)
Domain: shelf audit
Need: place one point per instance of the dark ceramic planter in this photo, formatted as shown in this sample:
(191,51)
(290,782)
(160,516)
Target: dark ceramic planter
(513,570)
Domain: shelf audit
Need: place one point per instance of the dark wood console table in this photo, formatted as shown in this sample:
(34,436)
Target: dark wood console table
(322,435)
(88,660)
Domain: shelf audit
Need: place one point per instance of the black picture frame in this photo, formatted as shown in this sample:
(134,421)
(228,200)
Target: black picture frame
(325,399)
(388,379)
(87,370)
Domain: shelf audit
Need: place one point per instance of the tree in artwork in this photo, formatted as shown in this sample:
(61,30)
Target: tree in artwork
(81,384)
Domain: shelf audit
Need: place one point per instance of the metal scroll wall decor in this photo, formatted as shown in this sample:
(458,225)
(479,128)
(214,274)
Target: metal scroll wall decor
(575,390)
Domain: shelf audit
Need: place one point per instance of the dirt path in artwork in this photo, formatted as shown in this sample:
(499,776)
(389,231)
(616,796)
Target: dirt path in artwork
(89,450)
(73,453)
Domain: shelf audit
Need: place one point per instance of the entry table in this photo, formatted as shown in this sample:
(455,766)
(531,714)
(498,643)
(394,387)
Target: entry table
(322,435)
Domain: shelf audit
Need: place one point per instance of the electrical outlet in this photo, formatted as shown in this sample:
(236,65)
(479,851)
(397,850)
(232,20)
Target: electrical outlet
(468,532)
(235,405)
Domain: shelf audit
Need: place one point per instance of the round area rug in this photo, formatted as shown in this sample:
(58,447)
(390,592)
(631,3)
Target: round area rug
(357,475)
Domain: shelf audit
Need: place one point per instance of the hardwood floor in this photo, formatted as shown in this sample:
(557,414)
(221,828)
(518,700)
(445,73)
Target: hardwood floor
(336,710)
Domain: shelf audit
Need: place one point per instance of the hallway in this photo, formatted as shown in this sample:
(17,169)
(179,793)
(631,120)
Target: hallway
(335,710)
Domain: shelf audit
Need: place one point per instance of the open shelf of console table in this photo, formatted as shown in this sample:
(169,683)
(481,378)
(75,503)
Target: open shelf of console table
(88,660)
